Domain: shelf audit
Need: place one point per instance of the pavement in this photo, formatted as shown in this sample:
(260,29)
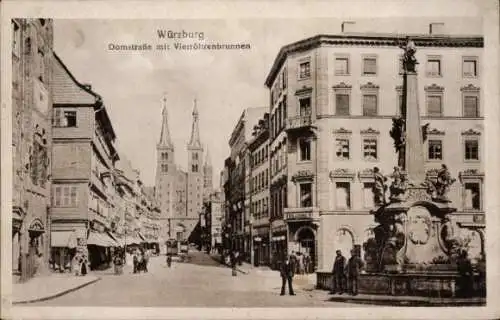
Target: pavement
(42,288)
(408,301)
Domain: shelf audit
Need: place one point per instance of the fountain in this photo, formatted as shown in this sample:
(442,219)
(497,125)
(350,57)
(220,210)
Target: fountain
(413,251)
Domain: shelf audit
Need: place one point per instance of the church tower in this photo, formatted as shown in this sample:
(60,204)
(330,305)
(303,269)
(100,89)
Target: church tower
(195,169)
(207,176)
(165,171)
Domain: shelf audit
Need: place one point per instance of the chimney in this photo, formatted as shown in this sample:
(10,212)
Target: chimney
(436,28)
(348,26)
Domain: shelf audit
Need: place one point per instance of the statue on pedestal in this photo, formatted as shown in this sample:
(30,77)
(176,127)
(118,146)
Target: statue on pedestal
(409,60)
(440,188)
(379,188)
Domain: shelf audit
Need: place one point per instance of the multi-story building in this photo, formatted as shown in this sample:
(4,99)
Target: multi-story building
(32,54)
(333,98)
(259,191)
(179,192)
(238,196)
(84,156)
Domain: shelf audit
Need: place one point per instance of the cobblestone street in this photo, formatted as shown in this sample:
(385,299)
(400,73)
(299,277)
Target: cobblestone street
(200,283)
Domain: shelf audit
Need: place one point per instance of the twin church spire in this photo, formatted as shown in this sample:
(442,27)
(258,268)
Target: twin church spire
(194,141)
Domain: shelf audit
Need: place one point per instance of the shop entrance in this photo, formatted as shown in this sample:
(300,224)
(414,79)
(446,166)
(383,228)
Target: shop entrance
(307,248)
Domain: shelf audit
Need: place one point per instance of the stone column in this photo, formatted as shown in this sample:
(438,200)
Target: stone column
(414,150)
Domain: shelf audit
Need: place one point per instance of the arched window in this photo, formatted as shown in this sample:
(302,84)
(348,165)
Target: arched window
(344,241)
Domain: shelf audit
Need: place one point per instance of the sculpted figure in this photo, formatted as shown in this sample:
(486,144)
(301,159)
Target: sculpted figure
(379,188)
(399,185)
(443,182)
(409,60)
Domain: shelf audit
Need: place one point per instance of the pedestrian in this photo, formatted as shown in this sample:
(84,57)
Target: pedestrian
(338,273)
(307,261)
(287,272)
(354,266)
(146,259)
(465,273)
(136,260)
(169,260)
(301,263)
(233,258)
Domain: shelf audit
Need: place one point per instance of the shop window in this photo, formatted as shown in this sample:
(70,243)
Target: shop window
(305,149)
(435,150)
(343,195)
(342,148)
(305,195)
(471,149)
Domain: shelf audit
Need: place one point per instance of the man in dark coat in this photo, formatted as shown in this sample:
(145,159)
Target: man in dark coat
(287,272)
(354,266)
(338,274)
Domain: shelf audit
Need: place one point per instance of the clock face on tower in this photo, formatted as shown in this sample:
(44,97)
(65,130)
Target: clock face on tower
(419,225)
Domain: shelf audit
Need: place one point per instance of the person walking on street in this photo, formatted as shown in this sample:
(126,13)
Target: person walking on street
(287,272)
(354,266)
(233,260)
(146,259)
(338,273)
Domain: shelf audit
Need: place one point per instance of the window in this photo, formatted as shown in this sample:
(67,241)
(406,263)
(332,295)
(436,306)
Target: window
(369,66)
(472,196)
(194,168)
(471,149)
(304,70)
(368,195)
(305,195)
(195,156)
(434,106)
(343,195)
(369,105)
(164,156)
(341,66)
(305,106)
(471,109)
(284,78)
(342,148)
(305,149)
(370,148)
(70,117)
(65,196)
(64,118)
(342,104)
(16,39)
(469,67)
(434,67)
(164,168)
(435,150)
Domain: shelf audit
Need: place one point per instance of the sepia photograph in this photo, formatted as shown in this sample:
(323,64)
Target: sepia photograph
(246,162)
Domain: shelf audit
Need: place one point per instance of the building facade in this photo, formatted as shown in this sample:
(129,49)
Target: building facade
(32,54)
(83,184)
(179,192)
(259,191)
(333,98)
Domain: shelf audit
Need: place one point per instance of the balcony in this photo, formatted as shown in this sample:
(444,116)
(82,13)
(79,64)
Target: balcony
(303,122)
(301,214)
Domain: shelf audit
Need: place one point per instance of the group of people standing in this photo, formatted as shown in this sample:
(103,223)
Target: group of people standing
(303,264)
(141,260)
(346,274)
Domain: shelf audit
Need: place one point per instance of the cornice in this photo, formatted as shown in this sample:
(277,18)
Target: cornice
(470,88)
(471,132)
(370,130)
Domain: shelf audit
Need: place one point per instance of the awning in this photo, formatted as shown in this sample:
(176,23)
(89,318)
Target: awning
(101,239)
(60,238)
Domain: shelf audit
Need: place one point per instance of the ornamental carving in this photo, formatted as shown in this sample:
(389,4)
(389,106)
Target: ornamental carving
(342,85)
(369,86)
(470,88)
(366,174)
(435,131)
(470,173)
(419,225)
(370,130)
(342,131)
(434,87)
(342,173)
(303,90)
(471,132)
(303,175)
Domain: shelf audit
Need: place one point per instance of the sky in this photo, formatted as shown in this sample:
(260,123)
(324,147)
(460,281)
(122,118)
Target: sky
(224,83)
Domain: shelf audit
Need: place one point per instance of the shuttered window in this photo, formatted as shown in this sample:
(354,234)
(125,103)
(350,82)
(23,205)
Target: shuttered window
(369,66)
(341,66)
(471,109)
(369,104)
(471,150)
(342,104)
(434,106)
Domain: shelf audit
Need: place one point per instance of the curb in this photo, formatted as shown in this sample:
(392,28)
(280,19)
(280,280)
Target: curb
(57,294)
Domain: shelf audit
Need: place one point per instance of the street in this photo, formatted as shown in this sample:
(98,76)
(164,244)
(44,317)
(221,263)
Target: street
(200,283)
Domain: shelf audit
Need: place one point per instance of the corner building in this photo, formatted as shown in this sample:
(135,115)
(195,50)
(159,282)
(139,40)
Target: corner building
(333,98)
